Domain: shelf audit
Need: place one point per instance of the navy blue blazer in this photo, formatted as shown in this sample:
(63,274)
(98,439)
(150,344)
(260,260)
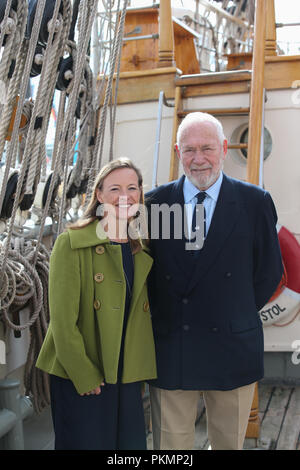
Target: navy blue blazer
(208,333)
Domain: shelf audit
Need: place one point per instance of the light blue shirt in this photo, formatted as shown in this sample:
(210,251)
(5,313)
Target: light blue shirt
(190,191)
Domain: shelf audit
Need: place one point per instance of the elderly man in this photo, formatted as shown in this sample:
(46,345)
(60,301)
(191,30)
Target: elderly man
(205,296)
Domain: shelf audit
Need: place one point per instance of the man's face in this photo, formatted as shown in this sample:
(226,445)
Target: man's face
(202,154)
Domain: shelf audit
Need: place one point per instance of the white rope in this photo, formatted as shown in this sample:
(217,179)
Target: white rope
(6,114)
(42,108)
(88,10)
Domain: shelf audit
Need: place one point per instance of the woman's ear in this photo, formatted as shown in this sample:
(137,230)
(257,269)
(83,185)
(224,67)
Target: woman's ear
(99,196)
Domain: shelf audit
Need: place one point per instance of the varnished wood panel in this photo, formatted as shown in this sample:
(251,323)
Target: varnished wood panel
(142,86)
(140,54)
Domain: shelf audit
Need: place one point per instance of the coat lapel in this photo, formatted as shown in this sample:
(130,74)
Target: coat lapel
(142,266)
(225,217)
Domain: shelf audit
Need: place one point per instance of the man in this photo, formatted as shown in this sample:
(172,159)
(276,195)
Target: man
(205,301)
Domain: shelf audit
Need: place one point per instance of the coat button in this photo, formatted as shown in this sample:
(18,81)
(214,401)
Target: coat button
(228,274)
(146,306)
(186,327)
(97,304)
(185,301)
(99,277)
(214,329)
(99,249)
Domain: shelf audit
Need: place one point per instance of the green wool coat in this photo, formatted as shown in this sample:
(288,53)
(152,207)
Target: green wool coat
(87,290)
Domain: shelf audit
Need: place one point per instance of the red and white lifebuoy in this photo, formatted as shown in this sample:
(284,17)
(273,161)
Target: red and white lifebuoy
(285,302)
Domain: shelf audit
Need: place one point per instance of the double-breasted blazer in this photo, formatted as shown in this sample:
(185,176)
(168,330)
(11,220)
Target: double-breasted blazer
(87,291)
(207,329)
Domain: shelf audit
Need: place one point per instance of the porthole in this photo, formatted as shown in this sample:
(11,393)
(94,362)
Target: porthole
(240,136)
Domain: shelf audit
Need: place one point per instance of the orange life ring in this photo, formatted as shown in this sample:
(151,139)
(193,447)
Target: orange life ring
(286,299)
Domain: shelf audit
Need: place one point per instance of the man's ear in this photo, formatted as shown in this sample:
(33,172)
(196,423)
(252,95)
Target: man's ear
(177,151)
(225,147)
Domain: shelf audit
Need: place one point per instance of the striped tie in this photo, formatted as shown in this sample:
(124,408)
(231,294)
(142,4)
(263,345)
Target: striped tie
(200,198)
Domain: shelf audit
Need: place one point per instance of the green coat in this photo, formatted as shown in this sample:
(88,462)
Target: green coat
(87,290)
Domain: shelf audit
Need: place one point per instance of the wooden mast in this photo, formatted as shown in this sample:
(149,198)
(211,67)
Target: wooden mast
(166,36)
(257,86)
(264,33)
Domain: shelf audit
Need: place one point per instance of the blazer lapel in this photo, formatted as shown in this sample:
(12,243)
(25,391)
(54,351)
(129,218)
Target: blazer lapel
(225,217)
(178,254)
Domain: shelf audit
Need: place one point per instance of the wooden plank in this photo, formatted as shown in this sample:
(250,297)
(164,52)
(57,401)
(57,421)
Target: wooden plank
(254,421)
(273,417)
(281,74)
(139,87)
(217,77)
(141,54)
(185,55)
(265,392)
(217,111)
(237,146)
(289,434)
(185,49)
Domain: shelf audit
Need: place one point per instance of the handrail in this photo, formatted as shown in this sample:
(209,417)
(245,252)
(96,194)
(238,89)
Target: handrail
(161,101)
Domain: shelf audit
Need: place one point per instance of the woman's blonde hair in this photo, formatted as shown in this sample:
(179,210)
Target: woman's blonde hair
(91,212)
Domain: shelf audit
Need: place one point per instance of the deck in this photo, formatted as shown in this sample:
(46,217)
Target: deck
(279,411)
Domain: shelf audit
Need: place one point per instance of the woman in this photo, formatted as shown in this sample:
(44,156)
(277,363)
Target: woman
(99,345)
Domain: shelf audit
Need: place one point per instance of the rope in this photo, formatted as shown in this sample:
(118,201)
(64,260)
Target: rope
(108,93)
(24,263)
(87,12)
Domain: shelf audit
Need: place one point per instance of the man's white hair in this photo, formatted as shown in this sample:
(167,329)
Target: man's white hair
(198,117)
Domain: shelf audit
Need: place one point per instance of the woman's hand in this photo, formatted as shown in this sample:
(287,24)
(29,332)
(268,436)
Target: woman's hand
(95,391)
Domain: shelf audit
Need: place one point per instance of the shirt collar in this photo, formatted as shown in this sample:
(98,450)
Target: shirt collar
(190,191)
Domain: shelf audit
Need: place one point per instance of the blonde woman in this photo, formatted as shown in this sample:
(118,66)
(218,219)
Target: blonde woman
(99,346)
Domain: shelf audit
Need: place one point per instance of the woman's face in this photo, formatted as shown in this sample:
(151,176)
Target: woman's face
(120,192)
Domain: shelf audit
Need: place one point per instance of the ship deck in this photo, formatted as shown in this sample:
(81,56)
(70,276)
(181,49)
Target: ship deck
(279,412)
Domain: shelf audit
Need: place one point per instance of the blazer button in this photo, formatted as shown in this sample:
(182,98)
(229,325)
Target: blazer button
(99,249)
(146,306)
(214,330)
(97,304)
(228,274)
(99,277)
(186,327)
(185,301)
(168,277)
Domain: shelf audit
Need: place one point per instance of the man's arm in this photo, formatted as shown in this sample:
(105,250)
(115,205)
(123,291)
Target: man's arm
(268,268)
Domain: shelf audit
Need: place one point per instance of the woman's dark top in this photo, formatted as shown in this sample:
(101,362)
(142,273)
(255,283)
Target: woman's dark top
(128,267)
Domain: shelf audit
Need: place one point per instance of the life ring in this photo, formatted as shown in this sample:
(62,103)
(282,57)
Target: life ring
(286,299)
